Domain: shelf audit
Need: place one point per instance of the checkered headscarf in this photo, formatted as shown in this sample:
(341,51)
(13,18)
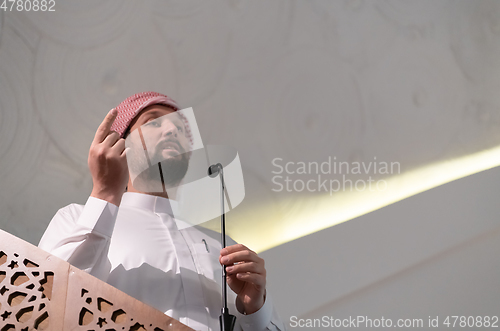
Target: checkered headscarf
(132,106)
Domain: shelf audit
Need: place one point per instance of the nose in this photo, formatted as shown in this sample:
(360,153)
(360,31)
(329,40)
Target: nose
(169,129)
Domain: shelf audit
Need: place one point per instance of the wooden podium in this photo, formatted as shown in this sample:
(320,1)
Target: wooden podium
(39,291)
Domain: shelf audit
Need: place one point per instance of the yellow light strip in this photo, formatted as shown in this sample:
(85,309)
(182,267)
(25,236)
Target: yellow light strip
(262,229)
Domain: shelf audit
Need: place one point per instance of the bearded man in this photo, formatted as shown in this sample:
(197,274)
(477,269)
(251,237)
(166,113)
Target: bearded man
(128,237)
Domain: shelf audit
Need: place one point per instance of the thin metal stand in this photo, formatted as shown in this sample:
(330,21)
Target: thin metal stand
(226,320)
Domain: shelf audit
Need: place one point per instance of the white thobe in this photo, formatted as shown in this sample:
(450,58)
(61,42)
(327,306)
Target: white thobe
(138,249)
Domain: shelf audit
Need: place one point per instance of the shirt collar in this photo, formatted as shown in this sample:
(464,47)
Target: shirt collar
(148,202)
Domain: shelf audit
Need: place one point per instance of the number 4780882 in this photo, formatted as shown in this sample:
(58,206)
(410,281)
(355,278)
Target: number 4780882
(28,5)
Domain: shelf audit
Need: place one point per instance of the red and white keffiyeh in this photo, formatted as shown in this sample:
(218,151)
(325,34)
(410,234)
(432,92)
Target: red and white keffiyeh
(132,106)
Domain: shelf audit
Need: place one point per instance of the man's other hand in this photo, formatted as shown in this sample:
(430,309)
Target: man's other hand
(246,276)
(108,163)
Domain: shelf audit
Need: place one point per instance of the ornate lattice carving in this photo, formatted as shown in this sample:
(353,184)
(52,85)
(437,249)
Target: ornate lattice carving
(102,307)
(41,292)
(25,293)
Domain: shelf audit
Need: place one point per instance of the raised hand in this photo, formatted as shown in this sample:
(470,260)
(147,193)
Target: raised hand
(108,163)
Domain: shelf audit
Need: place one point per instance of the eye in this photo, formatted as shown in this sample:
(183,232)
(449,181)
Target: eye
(152,123)
(180,128)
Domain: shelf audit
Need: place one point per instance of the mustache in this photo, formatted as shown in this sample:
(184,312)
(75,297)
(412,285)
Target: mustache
(169,143)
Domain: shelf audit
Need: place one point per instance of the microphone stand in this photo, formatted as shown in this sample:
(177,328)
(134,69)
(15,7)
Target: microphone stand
(226,320)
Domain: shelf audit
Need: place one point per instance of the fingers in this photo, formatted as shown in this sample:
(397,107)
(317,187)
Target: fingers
(111,139)
(251,267)
(119,146)
(253,278)
(249,272)
(246,275)
(125,151)
(238,253)
(234,248)
(103,130)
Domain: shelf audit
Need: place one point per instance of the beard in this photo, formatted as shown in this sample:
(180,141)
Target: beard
(167,172)
(174,169)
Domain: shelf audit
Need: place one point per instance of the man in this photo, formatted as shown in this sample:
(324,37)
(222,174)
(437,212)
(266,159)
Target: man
(131,240)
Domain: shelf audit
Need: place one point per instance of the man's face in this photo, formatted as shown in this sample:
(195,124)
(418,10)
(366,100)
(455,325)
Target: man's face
(162,132)
(164,136)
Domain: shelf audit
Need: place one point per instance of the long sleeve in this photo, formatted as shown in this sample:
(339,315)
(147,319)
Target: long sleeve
(266,318)
(81,235)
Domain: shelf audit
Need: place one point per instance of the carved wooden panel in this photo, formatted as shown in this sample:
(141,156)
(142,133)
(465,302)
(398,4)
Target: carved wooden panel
(28,277)
(41,292)
(99,306)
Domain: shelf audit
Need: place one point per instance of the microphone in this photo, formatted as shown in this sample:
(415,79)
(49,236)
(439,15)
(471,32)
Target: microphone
(214,170)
